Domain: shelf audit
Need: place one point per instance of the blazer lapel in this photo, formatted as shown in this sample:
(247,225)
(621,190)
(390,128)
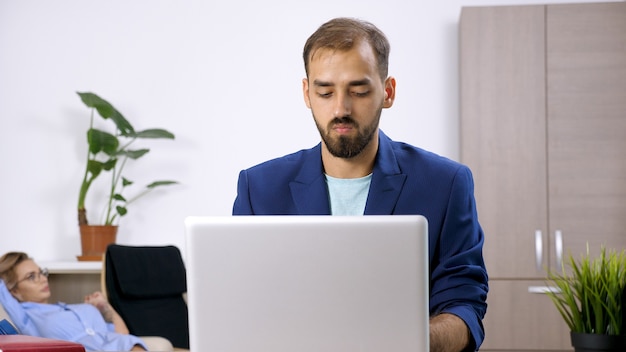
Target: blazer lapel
(308,189)
(384,193)
(311,198)
(387,180)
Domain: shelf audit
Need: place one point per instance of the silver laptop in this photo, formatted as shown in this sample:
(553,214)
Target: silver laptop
(307,283)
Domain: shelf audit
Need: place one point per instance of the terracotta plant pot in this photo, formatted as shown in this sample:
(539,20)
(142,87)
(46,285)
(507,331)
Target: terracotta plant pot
(94,240)
(598,343)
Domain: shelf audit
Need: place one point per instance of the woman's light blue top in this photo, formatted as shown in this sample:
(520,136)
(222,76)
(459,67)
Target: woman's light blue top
(80,323)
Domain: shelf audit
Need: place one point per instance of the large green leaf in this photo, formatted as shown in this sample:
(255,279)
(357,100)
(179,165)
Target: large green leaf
(134,154)
(101,141)
(106,110)
(109,164)
(161,183)
(94,167)
(154,133)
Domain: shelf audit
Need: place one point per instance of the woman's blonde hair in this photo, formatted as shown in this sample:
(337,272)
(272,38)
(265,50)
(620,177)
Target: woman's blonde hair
(8,262)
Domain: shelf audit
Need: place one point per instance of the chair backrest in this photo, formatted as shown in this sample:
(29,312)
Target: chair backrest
(145,285)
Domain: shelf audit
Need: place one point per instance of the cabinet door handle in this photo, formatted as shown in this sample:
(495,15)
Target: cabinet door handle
(558,248)
(543,289)
(538,249)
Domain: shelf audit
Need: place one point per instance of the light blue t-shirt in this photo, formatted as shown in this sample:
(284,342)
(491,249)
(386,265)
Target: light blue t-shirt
(348,195)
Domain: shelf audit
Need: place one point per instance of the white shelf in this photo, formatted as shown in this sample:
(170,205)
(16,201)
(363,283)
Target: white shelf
(72,267)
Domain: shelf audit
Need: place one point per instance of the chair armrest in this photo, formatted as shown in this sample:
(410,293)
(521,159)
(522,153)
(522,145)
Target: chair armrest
(157,343)
(24,343)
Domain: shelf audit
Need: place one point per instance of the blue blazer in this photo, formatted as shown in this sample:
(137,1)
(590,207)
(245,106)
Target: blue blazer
(405,180)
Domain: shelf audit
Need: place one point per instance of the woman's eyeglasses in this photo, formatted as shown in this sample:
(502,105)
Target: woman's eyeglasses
(33,277)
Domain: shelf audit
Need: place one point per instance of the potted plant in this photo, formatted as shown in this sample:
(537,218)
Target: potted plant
(110,152)
(590,298)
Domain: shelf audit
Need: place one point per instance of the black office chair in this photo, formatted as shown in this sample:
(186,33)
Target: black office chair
(145,285)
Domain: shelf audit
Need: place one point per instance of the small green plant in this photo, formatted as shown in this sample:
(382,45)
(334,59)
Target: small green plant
(590,297)
(110,152)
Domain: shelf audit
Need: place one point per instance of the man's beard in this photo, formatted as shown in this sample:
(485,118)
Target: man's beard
(344,146)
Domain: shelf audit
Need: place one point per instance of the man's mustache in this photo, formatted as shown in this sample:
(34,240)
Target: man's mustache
(345,120)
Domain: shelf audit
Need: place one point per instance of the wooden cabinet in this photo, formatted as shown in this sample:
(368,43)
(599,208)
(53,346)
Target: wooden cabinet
(543,128)
(586,65)
(503,136)
(515,307)
(71,281)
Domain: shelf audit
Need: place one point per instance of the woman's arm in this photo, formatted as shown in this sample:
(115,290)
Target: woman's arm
(17,313)
(108,313)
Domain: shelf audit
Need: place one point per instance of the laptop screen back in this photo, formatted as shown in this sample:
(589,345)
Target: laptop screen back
(307,283)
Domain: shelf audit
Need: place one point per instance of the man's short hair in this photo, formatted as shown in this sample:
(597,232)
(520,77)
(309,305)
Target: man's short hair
(343,34)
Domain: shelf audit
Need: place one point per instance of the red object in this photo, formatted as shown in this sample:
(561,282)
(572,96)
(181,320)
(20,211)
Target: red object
(24,343)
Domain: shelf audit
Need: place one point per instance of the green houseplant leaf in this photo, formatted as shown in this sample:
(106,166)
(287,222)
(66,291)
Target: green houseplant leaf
(109,152)
(100,141)
(106,110)
(590,295)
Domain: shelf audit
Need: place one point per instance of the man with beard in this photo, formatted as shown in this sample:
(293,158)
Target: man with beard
(358,170)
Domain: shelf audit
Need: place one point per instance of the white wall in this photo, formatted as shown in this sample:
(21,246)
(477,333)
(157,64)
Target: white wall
(224,76)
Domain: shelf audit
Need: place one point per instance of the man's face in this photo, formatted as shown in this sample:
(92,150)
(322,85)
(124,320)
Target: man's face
(346,96)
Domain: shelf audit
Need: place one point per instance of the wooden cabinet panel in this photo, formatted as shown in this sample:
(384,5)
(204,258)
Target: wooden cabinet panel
(519,320)
(586,80)
(72,288)
(503,131)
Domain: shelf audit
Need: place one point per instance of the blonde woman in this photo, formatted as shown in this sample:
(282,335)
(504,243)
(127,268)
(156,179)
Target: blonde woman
(24,294)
